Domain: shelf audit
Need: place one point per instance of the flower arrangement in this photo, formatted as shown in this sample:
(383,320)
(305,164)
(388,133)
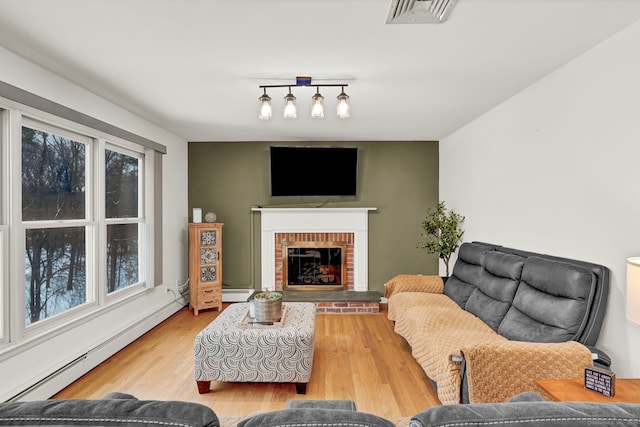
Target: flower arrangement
(268,295)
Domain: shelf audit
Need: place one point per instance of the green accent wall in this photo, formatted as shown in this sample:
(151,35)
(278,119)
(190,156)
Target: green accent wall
(400,179)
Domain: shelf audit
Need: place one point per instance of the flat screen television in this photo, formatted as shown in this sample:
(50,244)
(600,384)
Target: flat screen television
(313,171)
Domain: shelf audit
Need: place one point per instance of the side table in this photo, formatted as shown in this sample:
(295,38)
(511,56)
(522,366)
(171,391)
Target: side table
(627,390)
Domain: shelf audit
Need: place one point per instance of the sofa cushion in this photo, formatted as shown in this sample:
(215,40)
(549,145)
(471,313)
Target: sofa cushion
(106,412)
(552,302)
(466,272)
(398,304)
(496,287)
(437,332)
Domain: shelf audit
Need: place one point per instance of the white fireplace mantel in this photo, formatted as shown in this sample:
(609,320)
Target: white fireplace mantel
(315,220)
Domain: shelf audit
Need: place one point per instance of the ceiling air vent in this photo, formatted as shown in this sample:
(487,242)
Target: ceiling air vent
(419,11)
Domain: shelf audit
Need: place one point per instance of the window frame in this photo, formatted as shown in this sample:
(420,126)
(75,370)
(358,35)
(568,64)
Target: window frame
(88,222)
(125,148)
(4,227)
(14,332)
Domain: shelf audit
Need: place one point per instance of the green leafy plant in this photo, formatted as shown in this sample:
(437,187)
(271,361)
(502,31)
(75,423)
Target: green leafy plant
(268,295)
(442,232)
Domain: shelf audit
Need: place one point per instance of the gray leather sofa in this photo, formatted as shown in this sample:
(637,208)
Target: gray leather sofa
(502,303)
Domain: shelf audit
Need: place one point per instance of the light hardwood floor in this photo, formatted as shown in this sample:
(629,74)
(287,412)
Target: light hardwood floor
(357,357)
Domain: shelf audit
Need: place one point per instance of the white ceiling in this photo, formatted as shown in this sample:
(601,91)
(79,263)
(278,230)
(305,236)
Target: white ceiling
(193,67)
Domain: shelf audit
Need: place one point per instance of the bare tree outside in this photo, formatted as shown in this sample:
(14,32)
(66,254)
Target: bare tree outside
(55,208)
(121,201)
(53,188)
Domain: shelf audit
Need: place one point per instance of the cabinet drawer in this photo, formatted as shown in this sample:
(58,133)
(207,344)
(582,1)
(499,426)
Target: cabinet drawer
(209,297)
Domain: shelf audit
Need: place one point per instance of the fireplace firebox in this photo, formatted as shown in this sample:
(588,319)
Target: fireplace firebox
(314,265)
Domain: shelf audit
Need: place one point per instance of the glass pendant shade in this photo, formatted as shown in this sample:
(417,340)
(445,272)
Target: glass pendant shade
(317,108)
(265,107)
(344,109)
(290,110)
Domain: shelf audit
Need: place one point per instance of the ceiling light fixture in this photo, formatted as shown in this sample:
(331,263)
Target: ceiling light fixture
(317,106)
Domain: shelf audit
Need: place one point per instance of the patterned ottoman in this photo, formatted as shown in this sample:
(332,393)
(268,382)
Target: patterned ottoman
(230,349)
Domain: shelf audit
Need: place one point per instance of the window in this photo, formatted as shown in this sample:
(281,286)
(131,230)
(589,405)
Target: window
(124,219)
(80,216)
(54,211)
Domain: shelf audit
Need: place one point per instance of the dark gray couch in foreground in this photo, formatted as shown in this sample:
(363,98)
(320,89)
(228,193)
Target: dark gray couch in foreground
(525,410)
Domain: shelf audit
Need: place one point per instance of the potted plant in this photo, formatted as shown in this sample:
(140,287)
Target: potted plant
(442,233)
(268,306)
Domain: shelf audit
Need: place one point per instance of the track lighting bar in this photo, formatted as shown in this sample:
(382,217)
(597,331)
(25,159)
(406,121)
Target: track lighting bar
(317,107)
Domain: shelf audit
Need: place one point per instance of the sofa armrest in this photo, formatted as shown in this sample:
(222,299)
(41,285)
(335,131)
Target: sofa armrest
(497,371)
(413,283)
(600,358)
(121,410)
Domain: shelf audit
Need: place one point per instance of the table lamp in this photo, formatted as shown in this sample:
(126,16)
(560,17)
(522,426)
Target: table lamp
(633,289)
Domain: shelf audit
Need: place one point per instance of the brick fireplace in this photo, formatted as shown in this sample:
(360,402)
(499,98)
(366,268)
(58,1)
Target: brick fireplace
(347,227)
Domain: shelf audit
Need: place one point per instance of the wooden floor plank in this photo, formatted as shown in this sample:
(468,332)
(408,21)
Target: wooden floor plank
(357,357)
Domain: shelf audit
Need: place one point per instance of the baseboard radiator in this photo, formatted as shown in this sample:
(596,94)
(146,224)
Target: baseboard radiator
(71,371)
(236,295)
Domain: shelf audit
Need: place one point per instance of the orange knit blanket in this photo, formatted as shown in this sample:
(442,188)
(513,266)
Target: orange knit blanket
(436,328)
(413,283)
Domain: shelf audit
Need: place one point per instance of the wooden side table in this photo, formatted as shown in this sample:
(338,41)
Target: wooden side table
(627,390)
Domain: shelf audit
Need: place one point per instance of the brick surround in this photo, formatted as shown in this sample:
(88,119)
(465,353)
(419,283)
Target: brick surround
(347,238)
(311,237)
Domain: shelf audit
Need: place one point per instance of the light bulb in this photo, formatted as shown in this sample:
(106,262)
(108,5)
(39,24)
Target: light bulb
(290,110)
(344,109)
(317,108)
(265,107)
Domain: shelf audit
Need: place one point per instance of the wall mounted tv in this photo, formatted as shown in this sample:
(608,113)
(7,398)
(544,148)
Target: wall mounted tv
(313,171)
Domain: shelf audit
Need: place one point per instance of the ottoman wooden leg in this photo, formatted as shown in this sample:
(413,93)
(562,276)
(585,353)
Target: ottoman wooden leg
(204,386)
(301,388)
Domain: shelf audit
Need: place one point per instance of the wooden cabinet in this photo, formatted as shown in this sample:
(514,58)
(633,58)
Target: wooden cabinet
(205,266)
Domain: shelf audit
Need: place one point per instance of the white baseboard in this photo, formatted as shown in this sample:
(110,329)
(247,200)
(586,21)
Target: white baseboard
(55,382)
(236,295)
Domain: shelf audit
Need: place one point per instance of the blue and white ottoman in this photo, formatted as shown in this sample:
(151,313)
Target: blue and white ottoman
(232,349)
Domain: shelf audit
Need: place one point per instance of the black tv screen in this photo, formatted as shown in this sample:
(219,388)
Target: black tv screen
(313,171)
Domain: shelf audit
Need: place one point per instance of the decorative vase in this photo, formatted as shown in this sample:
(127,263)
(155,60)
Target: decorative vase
(210,217)
(268,306)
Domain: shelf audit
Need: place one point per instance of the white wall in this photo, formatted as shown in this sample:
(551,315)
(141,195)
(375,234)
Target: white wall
(556,168)
(115,328)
